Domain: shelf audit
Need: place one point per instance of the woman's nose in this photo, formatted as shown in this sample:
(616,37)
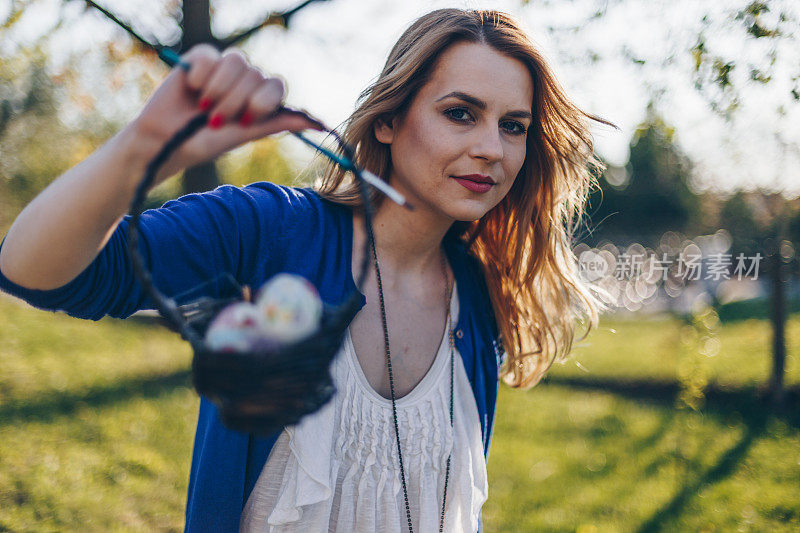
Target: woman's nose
(487,144)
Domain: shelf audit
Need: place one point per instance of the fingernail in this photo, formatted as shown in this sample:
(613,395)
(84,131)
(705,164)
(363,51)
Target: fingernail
(247,118)
(216,121)
(205,104)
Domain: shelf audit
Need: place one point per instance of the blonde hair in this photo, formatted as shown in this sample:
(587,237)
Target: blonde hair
(523,244)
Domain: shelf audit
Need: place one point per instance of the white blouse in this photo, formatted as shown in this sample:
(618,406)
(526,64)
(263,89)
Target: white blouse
(338,471)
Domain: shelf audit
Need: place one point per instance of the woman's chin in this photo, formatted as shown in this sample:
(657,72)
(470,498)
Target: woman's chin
(467,211)
(468,205)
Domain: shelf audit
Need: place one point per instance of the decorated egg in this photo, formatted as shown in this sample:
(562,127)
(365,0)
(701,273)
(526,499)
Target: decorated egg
(237,328)
(290,307)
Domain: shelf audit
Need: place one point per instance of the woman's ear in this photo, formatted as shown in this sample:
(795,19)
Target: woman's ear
(384,130)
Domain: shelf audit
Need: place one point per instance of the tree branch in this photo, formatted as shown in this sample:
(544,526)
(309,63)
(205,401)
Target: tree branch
(274,18)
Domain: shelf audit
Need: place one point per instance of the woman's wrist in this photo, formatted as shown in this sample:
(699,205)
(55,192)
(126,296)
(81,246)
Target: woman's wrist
(138,147)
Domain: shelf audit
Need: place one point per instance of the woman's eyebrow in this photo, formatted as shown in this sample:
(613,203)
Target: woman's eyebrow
(480,104)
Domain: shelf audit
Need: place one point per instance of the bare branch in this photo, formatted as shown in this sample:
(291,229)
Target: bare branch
(273,19)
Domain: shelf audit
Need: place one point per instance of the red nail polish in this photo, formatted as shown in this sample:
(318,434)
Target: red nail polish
(247,118)
(216,121)
(206,103)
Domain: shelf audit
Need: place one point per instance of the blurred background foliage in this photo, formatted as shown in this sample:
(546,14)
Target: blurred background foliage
(654,193)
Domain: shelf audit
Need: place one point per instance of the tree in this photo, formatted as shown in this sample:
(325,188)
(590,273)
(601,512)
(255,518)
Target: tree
(653,195)
(738,217)
(720,75)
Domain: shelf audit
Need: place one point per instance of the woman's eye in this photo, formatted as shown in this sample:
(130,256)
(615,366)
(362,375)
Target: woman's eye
(515,128)
(462,114)
(459,114)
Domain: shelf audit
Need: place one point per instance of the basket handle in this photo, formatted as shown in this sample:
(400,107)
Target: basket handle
(167,306)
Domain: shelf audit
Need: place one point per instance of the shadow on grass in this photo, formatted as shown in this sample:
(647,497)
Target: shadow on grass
(751,403)
(724,468)
(54,405)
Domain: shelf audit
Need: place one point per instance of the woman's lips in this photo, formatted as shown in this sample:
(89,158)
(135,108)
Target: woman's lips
(473,186)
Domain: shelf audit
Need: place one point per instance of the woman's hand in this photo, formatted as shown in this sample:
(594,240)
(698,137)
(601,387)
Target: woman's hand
(240,100)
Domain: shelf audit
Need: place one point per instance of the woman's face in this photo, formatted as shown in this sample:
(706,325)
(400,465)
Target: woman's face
(470,120)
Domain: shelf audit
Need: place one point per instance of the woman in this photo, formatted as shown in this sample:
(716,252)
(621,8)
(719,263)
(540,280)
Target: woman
(468,122)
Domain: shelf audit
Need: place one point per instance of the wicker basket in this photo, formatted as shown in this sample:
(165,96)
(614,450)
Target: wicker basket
(260,392)
(256,392)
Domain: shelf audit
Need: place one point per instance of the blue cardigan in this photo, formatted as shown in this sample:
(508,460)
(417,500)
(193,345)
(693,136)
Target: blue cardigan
(254,232)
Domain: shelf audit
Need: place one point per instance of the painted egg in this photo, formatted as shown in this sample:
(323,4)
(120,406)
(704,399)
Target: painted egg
(290,307)
(237,328)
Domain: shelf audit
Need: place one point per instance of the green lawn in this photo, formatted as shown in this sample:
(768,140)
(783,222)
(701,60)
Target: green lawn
(97,422)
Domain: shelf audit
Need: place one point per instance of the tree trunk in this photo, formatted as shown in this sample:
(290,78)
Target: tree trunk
(779,271)
(200,178)
(196,27)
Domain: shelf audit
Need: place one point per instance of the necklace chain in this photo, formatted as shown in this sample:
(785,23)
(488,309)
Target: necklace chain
(391,380)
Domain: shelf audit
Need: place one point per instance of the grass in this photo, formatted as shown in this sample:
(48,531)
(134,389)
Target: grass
(97,422)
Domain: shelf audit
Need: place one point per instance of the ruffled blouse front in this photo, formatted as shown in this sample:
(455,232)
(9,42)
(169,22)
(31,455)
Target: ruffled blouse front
(338,470)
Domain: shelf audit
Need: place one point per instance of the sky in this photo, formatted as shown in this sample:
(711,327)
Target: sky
(334,49)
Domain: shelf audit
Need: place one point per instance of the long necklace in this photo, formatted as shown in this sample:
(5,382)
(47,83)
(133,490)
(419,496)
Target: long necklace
(391,381)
